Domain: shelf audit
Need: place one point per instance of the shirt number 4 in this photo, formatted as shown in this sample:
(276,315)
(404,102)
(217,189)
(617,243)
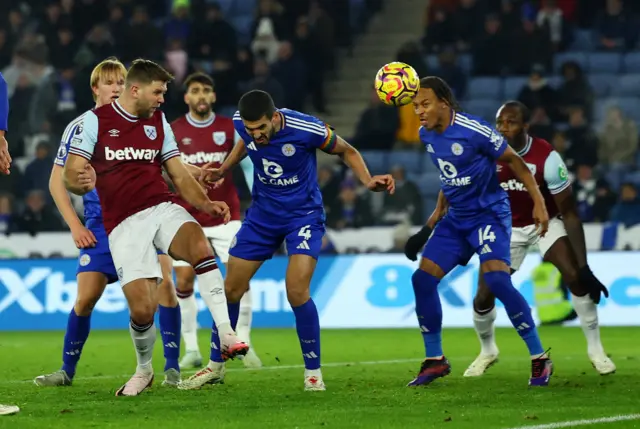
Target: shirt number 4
(305,233)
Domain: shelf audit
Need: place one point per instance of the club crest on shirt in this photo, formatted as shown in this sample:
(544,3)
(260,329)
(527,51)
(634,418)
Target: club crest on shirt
(219,137)
(85,260)
(288,150)
(457,149)
(150,131)
(62,151)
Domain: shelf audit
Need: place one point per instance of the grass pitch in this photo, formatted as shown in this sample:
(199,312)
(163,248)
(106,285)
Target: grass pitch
(365,372)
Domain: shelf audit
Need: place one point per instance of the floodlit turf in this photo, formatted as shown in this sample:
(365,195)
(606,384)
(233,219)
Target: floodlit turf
(369,392)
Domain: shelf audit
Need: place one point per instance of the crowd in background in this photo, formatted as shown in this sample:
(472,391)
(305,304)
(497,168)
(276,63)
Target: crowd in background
(491,42)
(289,48)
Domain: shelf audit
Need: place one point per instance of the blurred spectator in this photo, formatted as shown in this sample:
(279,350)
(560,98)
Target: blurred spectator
(540,124)
(550,18)
(143,38)
(538,93)
(510,16)
(265,82)
(405,205)
(327,247)
(44,102)
(584,188)
(99,45)
(560,144)
(401,234)
(63,48)
(244,67)
(376,129)
(6,46)
(213,38)
(409,53)
(324,32)
(605,200)
(270,14)
(531,45)
(177,60)
(350,210)
(7,220)
(488,51)
(627,210)
(618,141)
(440,32)
(575,91)
(407,135)
(316,56)
(452,73)
(117,26)
(178,25)
(616,29)
(467,24)
(290,71)
(38,171)
(38,216)
(583,147)
(329,184)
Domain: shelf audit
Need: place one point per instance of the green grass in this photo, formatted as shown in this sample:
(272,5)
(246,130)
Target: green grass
(359,395)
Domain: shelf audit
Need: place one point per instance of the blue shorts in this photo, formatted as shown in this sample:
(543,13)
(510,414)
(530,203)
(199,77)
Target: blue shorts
(454,241)
(98,259)
(261,236)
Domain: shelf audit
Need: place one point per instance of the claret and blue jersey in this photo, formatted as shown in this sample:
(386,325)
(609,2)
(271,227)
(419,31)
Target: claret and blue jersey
(479,216)
(287,203)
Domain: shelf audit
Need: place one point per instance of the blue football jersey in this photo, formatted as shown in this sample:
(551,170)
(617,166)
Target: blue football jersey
(466,154)
(92,209)
(285,173)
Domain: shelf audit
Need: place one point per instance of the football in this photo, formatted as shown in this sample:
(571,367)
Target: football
(397,83)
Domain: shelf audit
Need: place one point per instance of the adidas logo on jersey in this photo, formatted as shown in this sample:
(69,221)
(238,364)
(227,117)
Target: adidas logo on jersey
(485,249)
(430,149)
(304,245)
(252,146)
(129,154)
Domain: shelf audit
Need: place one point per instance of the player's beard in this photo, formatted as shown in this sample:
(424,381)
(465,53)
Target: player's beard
(201,112)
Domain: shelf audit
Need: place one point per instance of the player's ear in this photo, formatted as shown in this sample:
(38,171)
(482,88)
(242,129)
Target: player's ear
(213,97)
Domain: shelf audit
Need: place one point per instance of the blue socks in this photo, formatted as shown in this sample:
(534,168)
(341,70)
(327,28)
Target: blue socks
(517,309)
(170,322)
(429,311)
(214,354)
(308,328)
(78,328)
(234,313)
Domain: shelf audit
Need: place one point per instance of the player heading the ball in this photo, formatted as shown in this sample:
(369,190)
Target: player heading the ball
(477,221)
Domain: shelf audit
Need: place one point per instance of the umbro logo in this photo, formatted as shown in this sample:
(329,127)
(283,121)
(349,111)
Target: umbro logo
(114,133)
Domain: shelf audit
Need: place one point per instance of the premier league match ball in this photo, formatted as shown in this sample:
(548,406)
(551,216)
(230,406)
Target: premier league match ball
(397,83)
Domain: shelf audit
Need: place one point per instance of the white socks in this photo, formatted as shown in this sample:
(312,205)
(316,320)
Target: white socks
(485,329)
(588,314)
(211,286)
(189,312)
(143,341)
(243,329)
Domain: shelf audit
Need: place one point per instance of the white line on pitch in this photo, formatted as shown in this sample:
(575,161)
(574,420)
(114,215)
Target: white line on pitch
(585,422)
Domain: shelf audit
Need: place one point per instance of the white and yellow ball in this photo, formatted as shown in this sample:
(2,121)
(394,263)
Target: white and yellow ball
(397,84)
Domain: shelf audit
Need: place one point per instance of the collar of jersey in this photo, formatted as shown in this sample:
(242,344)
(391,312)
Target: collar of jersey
(526,147)
(201,124)
(128,116)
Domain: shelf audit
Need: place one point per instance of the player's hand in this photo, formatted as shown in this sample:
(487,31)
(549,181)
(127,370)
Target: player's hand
(87,178)
(417,242)
(384,182)
(218,209)
(5,158)
(591,282)
(83,238)
(209,175)
(541,218)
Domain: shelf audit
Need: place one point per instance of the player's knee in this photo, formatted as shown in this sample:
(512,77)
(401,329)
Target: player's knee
(142,312)
(84,305)
(184,285)
(297,296)
(484,299)
(234,290)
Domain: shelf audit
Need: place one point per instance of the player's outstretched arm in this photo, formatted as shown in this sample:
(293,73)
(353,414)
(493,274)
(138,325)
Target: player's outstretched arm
(238,153)
(190,189)
(524,175)
(352,157)
(81,236)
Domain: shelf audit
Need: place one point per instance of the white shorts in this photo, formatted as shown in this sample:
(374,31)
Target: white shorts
(220,238)
(135,242)
(522,238)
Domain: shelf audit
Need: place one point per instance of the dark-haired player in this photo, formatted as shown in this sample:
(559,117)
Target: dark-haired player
(478,220)
(287,206)
(126,144)
(205,138)
(563,245)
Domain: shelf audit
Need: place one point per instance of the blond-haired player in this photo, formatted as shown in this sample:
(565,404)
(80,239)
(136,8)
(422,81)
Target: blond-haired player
(95,264)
